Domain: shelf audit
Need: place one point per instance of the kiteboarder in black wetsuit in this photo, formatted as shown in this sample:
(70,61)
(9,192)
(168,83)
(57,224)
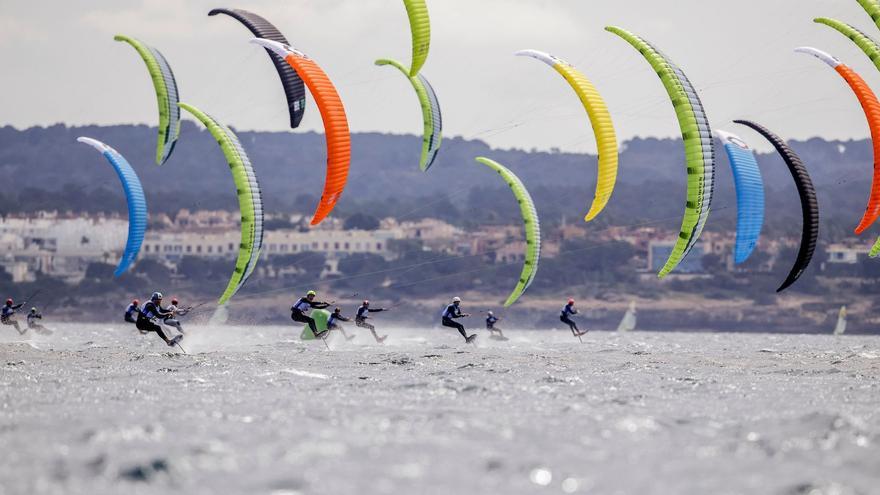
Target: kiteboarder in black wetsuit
(336,316)
(453,312)
(494,332)
(132,311)
(299,310)
(565,317)
(360,319)
(7,316)
(152,311)
(32,318)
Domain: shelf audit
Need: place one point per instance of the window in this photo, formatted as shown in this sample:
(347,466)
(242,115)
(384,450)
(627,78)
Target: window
(378,246)
(336,246)
(189,249)
(210,249)
(231,246)
(347,247)
(326,246)
(198,249)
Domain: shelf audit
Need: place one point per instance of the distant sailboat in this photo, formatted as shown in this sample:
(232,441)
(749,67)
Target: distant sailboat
(841,321)
(628,323)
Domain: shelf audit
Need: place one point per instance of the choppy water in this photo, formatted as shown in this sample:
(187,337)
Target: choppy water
(96,409)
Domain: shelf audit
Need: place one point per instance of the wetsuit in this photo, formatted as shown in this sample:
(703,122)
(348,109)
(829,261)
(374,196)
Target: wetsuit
(363,313)
(7,317)
(490,323)
(448,319)
(565,317)
(145,319)
(334,317)
(131,312)
(32,318)
(299,309)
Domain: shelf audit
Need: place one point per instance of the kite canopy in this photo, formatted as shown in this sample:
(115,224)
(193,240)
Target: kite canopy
(875,251)
(250,200)
(166,95)
(432,118)
(294,89)
(420,25)
(871,106)
(335,123)
(134,197)
(533,228)
(749,194)
(698,144)
(809,204)
(600,119)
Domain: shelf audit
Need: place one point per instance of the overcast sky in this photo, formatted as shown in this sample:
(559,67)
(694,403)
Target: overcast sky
(60,64)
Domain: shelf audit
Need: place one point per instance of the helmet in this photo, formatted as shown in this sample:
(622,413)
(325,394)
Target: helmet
(456,299)
(491,313)
(571,301)
(311,293)
(174,301)
(135,302)
(337,310)
(9,302)
(157,296)
(33,310)
(366,303)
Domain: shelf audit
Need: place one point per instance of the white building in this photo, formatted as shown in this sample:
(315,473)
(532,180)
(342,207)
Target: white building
(172,246)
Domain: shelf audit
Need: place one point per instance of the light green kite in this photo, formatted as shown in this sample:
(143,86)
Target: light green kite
(166,95)
(250,200)
(533,228)
(698,144)
(432,118)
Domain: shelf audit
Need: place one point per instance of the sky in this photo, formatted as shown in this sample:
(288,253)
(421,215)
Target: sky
(61,65)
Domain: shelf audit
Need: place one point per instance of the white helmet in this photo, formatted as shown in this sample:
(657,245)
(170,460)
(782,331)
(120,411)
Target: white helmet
(157,296)
(456,299)
(491,313)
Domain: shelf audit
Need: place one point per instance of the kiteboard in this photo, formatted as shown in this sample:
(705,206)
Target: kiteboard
(321,316)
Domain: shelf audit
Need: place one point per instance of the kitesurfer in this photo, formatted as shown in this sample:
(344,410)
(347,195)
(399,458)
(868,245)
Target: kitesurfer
(453,312)
(494,332)
(360,319)
(299,311)
(565,317)
(132,311)
(32,318)
(152,311)
(7,315)
(335,317)
(171,321)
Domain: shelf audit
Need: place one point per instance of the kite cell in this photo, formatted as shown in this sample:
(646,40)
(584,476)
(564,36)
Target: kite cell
(871,107)
(293,86)
(166,95)
(335,123)
(600,119)
(432,119)
(134,197)
(809,204)
(250,201)
(420,25)
(875,251)
(533,228)
(698,143)
(749,194)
